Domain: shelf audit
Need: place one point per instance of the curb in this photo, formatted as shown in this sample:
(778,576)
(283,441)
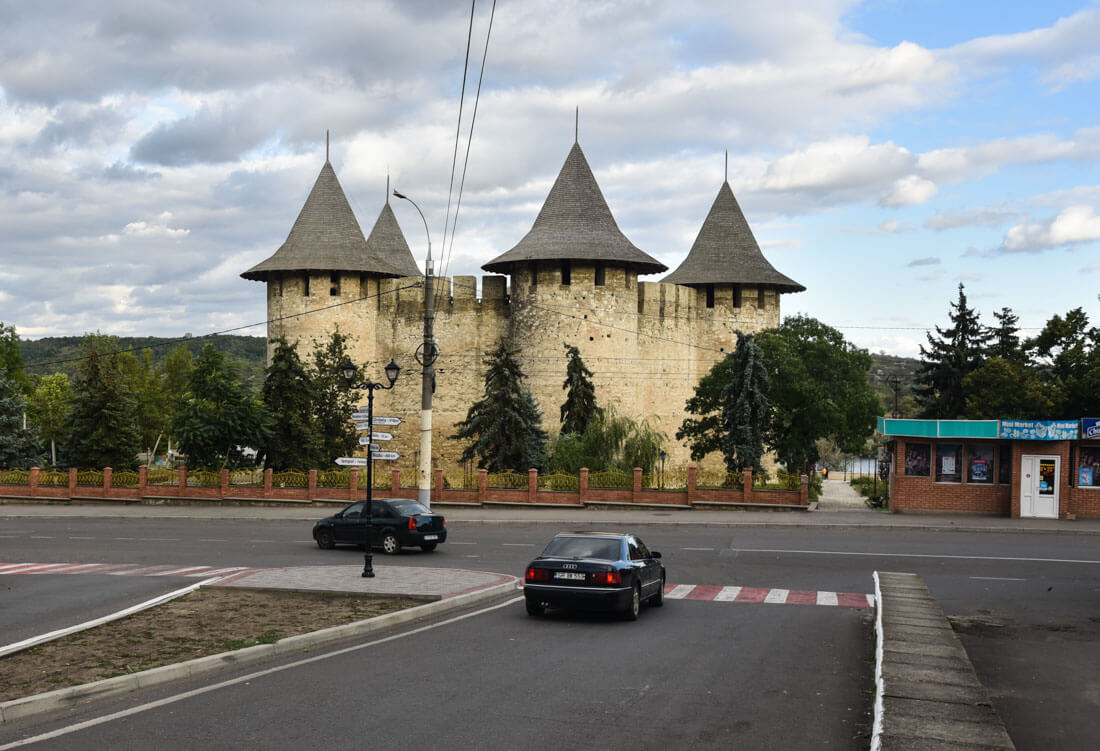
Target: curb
(64,698)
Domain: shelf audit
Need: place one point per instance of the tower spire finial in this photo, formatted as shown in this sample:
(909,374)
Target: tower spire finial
(727,165)
(326,145)
(387,188)
(577,125)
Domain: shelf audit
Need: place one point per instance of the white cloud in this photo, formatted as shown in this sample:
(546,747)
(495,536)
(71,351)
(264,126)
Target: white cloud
(1073,225)
(908,191)
(157,228)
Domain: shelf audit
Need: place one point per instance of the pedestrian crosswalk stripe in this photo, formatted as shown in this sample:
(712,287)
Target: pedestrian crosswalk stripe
(773,596)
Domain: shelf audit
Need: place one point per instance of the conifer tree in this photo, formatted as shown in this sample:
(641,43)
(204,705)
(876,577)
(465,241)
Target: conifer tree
(103,429)
(288,394)
(333,401)
(18,445)
(1005,336)
(952,355)
(580,394)
(504,426)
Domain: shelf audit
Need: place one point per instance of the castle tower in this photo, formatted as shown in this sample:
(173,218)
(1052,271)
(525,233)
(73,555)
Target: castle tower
(326,261)
(574,281)
(728,271)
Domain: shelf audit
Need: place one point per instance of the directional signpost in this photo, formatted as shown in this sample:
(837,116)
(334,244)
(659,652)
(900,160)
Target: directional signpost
(365,441)
(393,422)
(376,436)
(352,461)
(385,455)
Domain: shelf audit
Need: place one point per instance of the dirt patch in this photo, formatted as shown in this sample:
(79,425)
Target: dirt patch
(205,622)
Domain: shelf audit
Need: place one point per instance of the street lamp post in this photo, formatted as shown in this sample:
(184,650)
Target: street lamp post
(350,372)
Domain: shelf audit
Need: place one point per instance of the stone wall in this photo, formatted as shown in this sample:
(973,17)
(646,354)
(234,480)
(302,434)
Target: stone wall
(647,343)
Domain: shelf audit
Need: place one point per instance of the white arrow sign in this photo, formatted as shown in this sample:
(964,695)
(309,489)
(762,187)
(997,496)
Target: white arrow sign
(364,441)
(362,425)
(360,416)
(376,436)
(387,455)
(352,461)
(391,421)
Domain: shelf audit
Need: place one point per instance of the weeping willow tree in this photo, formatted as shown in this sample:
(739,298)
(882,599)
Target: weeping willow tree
(610,441)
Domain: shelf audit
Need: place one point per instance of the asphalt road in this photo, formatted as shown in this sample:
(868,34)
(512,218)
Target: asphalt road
(1028,604)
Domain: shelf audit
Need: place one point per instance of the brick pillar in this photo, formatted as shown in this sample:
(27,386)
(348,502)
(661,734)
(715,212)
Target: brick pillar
(637,484)
(804,490)
(224,483)
(269,481)
(532,485)
(482,486)
(182,480)
(395,481)
(693,473)
(311,491)
(353,484)
(582,486)
(34,481)
(72,482)
(746,485)
(143,479)
(438,490)
(108,474)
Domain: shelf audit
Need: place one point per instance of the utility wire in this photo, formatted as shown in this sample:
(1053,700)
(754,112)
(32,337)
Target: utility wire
(458,126)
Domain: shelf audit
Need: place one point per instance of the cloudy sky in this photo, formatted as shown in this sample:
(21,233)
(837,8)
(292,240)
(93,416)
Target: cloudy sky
(883,151)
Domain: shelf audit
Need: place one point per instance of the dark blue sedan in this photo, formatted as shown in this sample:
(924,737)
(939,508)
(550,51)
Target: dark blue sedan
(595,571)
(397,522)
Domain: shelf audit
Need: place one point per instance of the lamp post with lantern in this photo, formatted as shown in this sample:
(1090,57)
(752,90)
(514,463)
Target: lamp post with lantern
(350,373)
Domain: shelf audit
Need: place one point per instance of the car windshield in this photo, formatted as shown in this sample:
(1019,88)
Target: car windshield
(584,547)
(409,508)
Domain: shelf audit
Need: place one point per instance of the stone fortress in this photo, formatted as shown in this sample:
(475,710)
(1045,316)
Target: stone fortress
(573,279)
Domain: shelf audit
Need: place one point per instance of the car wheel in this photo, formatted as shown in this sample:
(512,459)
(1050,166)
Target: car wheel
(658,599)
(635,605)
(534,607)
(325,540)
(390,545)
(428,546)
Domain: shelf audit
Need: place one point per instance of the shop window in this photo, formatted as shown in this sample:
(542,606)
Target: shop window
(918,459)
(1088,467)
(1004,466)
(979,463)
(948,462)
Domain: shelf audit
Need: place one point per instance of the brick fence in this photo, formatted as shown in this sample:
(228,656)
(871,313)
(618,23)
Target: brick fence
(181,491)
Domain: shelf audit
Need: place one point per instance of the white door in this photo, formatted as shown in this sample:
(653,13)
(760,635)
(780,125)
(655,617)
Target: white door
(1039,480)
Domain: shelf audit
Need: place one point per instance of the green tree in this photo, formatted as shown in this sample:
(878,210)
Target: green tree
(610,441)
(19,445)
(580,394)
(220,417)
(1003,388)
(333,401)
(288,394)
(103,428)
(11,358)
(952,355)
(148,385)
(1067,352)
(1004,338)
(504,426)
(48,407)
(745,409)
(818,389)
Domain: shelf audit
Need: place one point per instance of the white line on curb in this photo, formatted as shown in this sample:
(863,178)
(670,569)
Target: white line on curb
(43,638)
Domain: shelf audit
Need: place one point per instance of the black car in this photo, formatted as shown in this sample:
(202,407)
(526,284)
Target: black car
(595,571)
(398,523)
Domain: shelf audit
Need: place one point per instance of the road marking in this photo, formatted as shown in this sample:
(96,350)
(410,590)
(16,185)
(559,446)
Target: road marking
(245,679)
(213,539)
(914,555)
(999,578)
(463,543)
(518,544)
(42,537)
(74,537)
(774,596)
(711,549)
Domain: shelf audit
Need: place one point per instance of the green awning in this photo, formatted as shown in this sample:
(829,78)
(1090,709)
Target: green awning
(938,428)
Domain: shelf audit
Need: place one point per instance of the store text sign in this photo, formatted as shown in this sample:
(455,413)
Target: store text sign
(1039,430)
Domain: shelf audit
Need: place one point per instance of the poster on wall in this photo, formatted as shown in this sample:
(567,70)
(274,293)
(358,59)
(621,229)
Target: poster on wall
(1088,467)
(1039,430)
(918,459)
(949,462)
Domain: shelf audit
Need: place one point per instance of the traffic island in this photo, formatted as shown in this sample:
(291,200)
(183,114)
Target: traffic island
(927,693)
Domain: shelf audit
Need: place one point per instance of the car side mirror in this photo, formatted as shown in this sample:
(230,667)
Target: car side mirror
(654,554)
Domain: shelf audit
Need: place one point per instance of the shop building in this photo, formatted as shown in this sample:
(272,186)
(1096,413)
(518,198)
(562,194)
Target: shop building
(1021,468)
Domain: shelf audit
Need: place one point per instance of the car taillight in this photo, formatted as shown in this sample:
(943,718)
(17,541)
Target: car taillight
(412,524)
(606,577)
(537,575)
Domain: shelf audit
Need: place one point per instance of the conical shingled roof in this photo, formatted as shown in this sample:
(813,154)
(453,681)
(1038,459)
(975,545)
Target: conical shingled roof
(387,242)
(575,224)
(326,237)
(725,252)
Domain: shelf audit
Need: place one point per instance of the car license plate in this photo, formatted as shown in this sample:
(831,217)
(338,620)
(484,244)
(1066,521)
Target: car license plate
(569,575)
(431,537)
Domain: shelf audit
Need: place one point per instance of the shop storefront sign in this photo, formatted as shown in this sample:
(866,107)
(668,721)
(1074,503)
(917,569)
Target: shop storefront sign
(1039,430)
(1090,427)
